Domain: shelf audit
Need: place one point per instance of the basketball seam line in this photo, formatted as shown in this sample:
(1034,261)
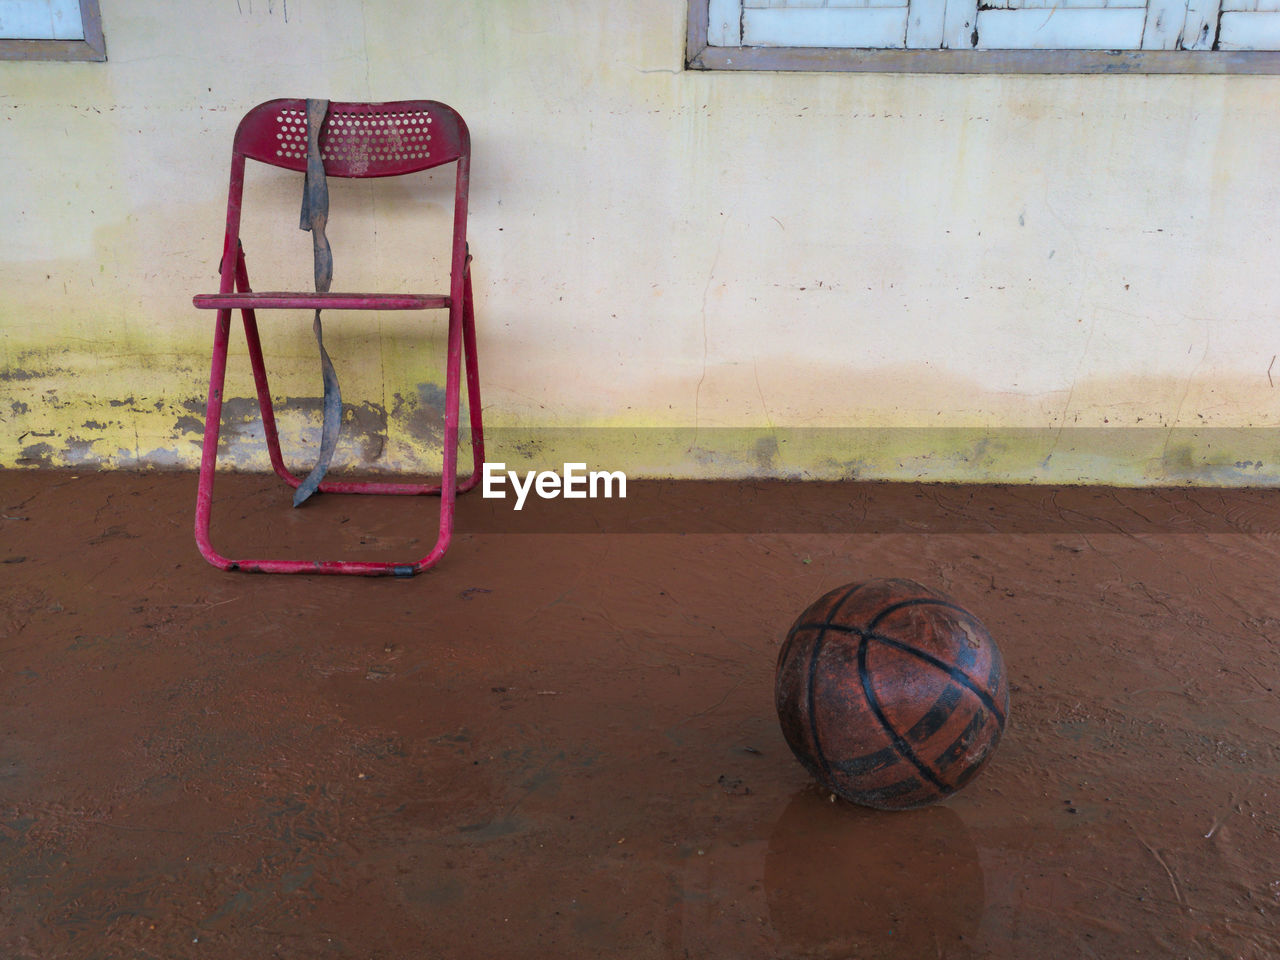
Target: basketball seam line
(843,600)
(954,672)
(899,742)
(914,602)
(810,706)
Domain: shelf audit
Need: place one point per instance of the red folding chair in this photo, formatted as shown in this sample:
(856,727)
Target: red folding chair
(355,140)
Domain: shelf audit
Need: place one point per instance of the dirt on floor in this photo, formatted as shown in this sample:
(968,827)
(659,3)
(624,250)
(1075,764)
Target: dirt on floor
(561,742)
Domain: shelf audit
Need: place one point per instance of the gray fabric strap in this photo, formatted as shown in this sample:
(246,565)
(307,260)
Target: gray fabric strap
(314,217)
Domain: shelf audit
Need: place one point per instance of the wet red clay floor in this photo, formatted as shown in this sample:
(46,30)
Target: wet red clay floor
(563,744)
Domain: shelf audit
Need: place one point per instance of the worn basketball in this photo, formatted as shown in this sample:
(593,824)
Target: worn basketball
(892,695)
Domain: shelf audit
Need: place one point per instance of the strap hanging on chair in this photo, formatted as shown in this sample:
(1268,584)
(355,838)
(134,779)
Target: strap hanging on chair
(315,215)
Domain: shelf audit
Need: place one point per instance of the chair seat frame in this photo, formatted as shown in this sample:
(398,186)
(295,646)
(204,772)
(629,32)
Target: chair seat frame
(406,136)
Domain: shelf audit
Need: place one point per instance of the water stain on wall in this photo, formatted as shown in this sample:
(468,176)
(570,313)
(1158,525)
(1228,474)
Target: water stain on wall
(37,455)
(364,424)
(421,417)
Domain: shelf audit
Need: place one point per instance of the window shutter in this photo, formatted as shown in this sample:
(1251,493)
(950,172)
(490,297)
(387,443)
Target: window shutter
(1250,25)
(871,23)
(41,20)
(1061,24)
(1107,25)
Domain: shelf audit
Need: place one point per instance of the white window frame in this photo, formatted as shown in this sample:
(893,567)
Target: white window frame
(82,41)
(715,41)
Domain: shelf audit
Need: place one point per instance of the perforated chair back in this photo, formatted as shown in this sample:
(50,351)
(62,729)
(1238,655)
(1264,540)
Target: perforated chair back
(358,139)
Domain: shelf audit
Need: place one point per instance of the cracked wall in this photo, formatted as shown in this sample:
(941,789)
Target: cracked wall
(679,273)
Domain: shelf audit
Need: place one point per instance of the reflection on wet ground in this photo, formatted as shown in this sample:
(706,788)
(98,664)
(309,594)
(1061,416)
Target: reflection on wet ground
(839,880)
(563,744)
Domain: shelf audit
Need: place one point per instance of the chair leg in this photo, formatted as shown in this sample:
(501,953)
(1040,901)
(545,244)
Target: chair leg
(473,387)
(263,388)
(449,469)
(209,451)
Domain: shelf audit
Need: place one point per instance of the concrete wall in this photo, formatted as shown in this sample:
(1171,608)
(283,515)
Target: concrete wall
(950,277)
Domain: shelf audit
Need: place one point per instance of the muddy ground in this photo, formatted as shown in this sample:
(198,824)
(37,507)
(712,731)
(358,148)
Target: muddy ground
(561,742)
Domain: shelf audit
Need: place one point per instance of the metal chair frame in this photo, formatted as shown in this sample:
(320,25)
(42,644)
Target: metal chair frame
(357,140)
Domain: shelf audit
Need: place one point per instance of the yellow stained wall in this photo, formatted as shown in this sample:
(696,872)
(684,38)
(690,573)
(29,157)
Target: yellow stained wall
(1038,278)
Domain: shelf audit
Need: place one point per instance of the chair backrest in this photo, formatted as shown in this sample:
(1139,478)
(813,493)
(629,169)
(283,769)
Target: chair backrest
(358,139)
